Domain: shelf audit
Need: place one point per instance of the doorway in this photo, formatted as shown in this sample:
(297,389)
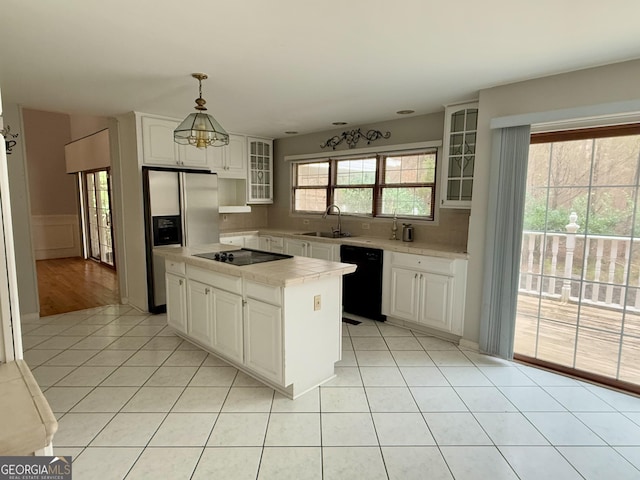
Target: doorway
(98,234)
(579,292)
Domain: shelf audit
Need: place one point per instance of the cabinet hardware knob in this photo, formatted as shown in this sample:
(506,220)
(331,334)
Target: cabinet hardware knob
(415,276)
(207,291)
(180,282)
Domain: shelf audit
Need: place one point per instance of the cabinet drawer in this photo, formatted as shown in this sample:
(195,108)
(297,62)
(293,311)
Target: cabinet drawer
(443,266)
(219,280)
(277,242)
(266,293)
(174,267)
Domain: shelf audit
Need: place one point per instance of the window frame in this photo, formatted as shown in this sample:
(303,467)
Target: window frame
(377,187)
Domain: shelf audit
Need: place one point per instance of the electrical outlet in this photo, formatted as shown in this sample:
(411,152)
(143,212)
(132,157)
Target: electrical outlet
(365,226)
(305,221)
(316,302)
(224,218)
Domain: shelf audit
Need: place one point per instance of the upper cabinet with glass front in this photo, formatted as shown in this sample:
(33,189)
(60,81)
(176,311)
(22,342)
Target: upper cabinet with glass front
(459,155)
(260,170)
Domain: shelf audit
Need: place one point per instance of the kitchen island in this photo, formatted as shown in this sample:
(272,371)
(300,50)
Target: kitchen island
(278,321)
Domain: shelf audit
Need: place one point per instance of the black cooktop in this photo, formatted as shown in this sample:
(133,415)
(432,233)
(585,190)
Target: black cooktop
(244,256)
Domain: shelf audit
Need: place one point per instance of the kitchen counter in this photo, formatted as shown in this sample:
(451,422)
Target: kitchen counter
(279,273)
(417,248)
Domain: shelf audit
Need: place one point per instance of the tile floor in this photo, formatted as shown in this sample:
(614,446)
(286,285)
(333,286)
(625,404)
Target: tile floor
(135,401)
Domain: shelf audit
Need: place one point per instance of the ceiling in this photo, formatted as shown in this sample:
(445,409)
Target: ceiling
(282,65)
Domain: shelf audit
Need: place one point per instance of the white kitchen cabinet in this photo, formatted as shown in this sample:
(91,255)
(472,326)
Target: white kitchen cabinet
(270,243)
(252,241)
(305,248)
(428,291)
(200,312)
(263,339)
(296,247)
(237,240)
(158,147)
(260,189)
(227,324)
(176,302)
(230,161)
(459,153)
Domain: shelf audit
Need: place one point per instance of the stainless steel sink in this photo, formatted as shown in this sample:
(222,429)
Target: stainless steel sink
(327,234)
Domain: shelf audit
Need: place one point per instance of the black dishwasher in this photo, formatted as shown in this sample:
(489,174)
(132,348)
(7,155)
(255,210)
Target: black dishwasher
(362,289)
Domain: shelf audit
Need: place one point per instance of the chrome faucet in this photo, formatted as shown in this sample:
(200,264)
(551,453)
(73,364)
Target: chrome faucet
(338,231)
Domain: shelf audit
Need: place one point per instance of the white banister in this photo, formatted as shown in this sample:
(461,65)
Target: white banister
(570,245)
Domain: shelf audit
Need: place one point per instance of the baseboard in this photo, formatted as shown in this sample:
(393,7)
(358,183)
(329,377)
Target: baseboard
(29,316)
(469,345)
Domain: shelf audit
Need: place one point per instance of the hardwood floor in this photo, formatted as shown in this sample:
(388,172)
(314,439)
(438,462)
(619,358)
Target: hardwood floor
(70,284)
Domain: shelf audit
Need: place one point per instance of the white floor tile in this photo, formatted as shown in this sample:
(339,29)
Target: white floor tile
(165,463)
(293,429)
(433,343)
(112,330)
(248,399)
(244,380)
(110,357)
(125,343)
(391,399)
(382,377)
(578,399)
(239,429)
(348,359)
(613,428)
(238,463)
(457,428)
(153,399)
(596,463)
(291,463)
(465,377)
(62,399)
(424,377)
(477,463)
(618,400)
(105,399)
(129,430)
(214,377)
(413,463)
(38,357)
(78,429)
(403,343)
(531,399)
(507,376)
(402,429)
(94,343)
(343,399)
(547,379)
(345,377)
(375,358)
(437,399)
(201,399)
(348,429)
(510,429)
(388,330)
(184,429)
(73,358)
(309,402)
(129,376)
(148,358)
(171,377)
(449,358)
(412,359)
(363,343)
(59,342)
(351,463)
(485,399)
(161,343)
(535,463)
(144,331)
(363,330)
(111,463)
(46,376)
(563,428)
(86,376)
(632,454)
(486,360)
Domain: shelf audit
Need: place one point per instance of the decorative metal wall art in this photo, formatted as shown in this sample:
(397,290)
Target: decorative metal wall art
(9,137)
(353,136)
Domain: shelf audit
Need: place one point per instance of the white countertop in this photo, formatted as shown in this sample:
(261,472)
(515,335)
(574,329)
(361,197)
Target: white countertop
(417,248)
(289,271)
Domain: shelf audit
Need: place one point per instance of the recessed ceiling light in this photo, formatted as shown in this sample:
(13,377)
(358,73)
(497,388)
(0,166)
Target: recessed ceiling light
(339,123)
(405,112)
(291,132)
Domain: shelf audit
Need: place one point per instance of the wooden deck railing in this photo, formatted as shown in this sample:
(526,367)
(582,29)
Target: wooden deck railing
(600,270)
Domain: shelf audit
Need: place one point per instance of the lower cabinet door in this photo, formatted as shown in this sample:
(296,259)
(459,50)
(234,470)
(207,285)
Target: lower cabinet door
(200,312)
(176,302)
(435,304)
(263,339)
(227,324)
(323,251)
(404,294)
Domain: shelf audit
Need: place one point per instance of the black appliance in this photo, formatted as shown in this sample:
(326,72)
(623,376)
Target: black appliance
(243,256)
(167,230)
(362,289)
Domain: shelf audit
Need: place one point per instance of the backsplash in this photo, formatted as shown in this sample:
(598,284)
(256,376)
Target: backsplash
(232,222)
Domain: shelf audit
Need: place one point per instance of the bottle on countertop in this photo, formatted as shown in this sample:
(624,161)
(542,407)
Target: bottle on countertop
(407,232)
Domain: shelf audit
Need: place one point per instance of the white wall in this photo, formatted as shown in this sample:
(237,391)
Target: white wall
(585,88)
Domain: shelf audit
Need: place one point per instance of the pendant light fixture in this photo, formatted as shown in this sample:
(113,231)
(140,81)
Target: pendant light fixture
(200,129)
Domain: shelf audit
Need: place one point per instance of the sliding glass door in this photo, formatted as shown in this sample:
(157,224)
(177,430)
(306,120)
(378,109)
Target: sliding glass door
(98,230)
